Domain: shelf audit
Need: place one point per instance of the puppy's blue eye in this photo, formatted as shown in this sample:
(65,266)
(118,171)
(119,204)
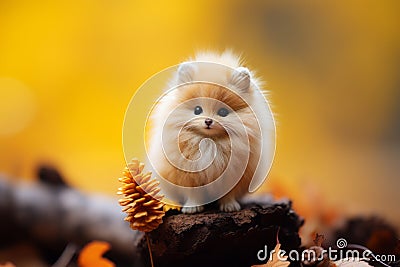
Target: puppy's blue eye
(223,112)
(198,110)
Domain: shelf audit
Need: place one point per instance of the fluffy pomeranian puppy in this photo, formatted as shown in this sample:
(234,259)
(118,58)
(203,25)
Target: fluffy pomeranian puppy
(213,124)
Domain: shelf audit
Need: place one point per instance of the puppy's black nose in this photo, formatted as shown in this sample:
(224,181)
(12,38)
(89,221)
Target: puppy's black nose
(208,122)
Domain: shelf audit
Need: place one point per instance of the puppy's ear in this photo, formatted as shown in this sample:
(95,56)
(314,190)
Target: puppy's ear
(241,79)
(186,72)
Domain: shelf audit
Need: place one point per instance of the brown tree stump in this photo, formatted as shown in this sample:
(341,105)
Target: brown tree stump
(215,238)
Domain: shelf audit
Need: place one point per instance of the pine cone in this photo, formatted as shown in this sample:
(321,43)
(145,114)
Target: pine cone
(141,200)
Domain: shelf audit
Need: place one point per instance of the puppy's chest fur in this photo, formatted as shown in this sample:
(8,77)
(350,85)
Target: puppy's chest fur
(198,152)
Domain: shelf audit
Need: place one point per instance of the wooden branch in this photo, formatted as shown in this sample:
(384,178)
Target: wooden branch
(51,216)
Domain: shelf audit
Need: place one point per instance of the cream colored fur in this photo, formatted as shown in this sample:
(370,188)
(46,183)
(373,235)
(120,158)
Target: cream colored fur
(213,144)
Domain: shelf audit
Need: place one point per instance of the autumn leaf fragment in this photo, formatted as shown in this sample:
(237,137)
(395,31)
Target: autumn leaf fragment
(319,239)
(92,255)
(276,260)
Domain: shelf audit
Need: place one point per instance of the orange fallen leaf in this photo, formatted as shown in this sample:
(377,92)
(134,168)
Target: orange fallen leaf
(276,260)
(92,255)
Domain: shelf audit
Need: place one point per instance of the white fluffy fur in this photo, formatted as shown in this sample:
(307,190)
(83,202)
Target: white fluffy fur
(238,79)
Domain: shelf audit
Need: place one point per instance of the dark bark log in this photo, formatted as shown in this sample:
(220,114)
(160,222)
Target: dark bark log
(216,238)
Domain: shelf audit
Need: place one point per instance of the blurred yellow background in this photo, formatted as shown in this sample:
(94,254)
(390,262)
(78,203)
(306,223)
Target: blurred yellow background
(69,68)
